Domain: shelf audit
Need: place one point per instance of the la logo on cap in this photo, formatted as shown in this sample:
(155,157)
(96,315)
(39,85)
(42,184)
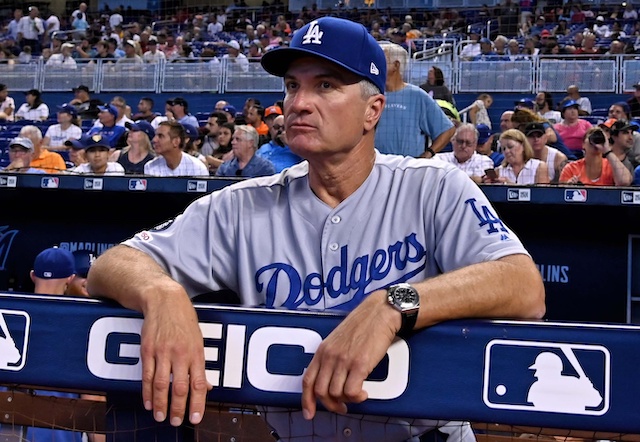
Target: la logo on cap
(313,35)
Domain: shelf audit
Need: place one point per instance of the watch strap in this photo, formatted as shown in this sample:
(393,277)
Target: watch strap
(408,322)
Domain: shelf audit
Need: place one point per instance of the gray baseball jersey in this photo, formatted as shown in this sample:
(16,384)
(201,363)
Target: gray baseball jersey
(272,241)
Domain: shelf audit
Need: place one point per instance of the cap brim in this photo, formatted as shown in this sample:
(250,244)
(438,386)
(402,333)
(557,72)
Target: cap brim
(74,143)
(277,61)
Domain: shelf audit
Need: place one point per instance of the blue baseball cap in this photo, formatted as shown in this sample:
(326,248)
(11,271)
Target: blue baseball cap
(89,141)
(230,109)
(343,42)
(82,262)
(190,131)
(141,126)
(69,109)
(484,133)
(486,40)
(109,108)
(525,102)
(54,263)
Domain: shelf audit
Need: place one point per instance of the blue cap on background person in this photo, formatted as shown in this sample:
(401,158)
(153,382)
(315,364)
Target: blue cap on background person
(484,133)
(525,102)
(190,131)
(624,105)
(486,40)
(142,126)
(341,41)
(69,109)
(109,108)
(230,109)
(82,262)
(567,104)
(88,141)
(54,263)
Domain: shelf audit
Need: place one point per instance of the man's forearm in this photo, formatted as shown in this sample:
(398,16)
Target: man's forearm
(443,139)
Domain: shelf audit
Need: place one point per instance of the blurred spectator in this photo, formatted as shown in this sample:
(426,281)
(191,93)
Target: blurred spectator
(50,162)
(7,104)
(270,115)
(86,49)
(79,26)
(210,142)
(486,51)
(410,114)
(34,109)
(20,156)
(276,150)
(64,58)
(524,103)
(519,165)
(435,86)
(621,141)
(245,162)
(168,143)
(12,28)
(78,285)
(153,55)
(584,104)
(478,113)
(102,52)
(138,150)
(238,60)
(600,28)
(522,117)
(88,108)
(130,54)
(505,121)
(214,28)
(66,128)
(145,110)
(30,30)
(51,26)
(500,46)
(633,102)
(630,14)
(192,142)
(224,151)
(544,103)
(168,46)
(180,110)
(572,128)
(487,144)
(472,49)
(255,51)
(464,155)
(96,149)
(82,10)
(514,52)
(77,154)
(255,117)
(108,129)
(599,167)
(553,158)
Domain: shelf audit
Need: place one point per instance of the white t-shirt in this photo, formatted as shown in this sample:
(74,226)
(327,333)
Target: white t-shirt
(9,102)
(57,136)
(112,169)
(474,166)
(39,113)
(189,166)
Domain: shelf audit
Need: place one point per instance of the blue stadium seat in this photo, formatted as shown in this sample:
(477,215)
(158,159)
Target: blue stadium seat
(600,112)
(4,157)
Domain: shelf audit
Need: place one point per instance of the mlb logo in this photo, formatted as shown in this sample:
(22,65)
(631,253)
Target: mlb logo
(575,195)
(138,184)
(519,194)
(93,184)
(196,186)
(8,181)
(547,377)
(14,339)
(50,182)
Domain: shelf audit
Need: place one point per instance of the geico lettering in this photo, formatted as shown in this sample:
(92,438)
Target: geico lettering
(350,276)
(111,355)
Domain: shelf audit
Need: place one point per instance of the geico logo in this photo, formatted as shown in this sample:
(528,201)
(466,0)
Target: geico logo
(113,353)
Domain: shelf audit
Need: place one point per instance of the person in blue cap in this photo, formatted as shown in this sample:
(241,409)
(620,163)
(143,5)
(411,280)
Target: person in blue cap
(138,150)
(350,229)
(109,130)
(82,260)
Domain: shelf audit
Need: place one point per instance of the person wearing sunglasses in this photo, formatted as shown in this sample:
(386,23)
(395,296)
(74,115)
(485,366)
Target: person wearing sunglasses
(276,150)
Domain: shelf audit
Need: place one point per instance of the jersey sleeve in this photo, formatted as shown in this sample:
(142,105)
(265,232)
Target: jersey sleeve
(196,247)
(467,229)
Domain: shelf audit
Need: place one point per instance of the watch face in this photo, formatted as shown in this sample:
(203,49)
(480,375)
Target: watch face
(405,297)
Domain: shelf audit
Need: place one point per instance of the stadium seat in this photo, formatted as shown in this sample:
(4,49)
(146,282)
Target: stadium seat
(600,112)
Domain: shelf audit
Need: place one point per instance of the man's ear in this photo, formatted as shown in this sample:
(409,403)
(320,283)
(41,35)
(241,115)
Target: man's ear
(375,106)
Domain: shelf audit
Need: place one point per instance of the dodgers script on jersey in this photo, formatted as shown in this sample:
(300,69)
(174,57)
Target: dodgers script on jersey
(272,241)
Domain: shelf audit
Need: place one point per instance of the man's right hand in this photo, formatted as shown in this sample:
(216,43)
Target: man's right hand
(172,352)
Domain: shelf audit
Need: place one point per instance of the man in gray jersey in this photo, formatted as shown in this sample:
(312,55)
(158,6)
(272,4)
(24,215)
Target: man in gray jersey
(344,228)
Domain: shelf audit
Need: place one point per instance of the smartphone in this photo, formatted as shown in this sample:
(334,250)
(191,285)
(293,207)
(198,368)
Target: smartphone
(491,174)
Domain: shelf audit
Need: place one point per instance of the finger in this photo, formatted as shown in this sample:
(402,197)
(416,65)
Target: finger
(199,389)
(148,370)
(308,400)
(353,390)
(179,393)
(323,380)
(161,382)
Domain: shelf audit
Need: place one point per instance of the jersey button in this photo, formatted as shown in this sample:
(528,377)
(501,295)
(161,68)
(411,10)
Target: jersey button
(335,219)
(334,246)
(346,432)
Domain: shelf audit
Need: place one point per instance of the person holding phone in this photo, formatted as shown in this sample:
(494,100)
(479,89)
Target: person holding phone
(464,155)
(599,167)
(519,165)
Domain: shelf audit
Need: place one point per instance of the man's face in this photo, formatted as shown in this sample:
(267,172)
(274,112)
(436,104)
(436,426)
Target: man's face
(319,97)
(106,118)
(143,106)
(505,121)
(537,140)
(4,94)
(129,50)
(220,104)
(617,112)
(20,155)
(97,157)
(277,127)
(540,100)
(162,142)
(624,139)
(212,126)
(464,145)
(252,116)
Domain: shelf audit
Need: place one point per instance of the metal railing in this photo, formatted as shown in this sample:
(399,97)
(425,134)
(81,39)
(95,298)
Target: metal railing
(610,74)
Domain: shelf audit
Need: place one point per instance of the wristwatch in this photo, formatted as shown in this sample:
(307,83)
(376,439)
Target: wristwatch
(404,298)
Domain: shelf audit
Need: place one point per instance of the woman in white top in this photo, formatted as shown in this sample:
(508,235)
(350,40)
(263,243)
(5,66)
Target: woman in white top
(34,109)
(519,165)
(66,129)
